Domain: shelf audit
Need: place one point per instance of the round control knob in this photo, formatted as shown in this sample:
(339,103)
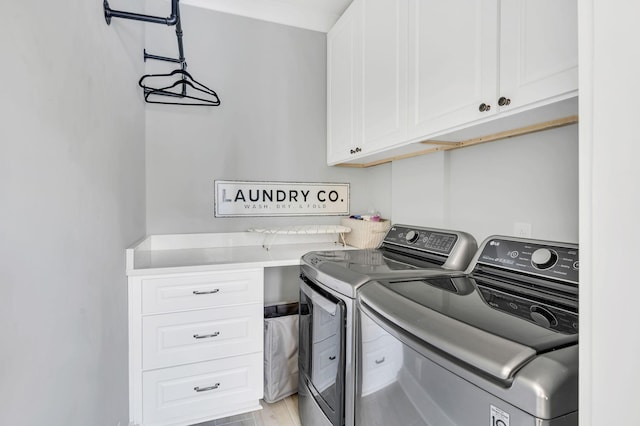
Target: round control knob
(412,236)
(544,258)
(543,316)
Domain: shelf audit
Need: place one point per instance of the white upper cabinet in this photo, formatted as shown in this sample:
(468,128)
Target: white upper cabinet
(366,79)
(471,60)
(343,135)
(538,51)
(405,71)
(384,77)
(453,63)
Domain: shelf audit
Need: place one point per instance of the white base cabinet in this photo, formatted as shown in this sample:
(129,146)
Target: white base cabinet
(195,346)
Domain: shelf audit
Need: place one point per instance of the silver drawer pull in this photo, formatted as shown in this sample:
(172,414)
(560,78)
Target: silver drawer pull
(206,336)
(198,293)
(210,388)
(380,361)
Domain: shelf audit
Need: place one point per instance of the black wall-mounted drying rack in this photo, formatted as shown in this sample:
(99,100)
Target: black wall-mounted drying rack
(177,87)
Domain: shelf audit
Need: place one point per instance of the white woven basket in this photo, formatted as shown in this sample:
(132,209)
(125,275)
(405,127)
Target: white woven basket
(365,234)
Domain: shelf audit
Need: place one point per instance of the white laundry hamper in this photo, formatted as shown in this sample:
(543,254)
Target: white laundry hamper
(280,351)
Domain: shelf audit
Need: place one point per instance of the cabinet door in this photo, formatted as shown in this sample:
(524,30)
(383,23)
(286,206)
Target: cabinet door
(342,88)
(452,63)
(539,50)
(384,68)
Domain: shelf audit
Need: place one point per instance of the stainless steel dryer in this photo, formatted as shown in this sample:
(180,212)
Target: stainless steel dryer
(329,282)
(495,346)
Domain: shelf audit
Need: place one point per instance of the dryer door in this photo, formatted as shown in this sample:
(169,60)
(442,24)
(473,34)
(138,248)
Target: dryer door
(321,356)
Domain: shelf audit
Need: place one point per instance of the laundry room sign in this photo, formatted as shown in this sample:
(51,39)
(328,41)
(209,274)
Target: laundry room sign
(244,198)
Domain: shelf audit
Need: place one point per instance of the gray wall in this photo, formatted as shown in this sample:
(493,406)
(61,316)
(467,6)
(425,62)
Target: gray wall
(485,189)
(271,125)
(71,200)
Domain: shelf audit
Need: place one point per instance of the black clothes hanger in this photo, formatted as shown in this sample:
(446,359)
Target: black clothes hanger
(191,92)
(186,90)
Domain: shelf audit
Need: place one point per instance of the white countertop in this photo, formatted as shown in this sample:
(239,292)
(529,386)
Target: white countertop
(180,253)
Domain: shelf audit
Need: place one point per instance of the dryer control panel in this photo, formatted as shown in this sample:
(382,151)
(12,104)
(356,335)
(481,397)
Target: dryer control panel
(440,242)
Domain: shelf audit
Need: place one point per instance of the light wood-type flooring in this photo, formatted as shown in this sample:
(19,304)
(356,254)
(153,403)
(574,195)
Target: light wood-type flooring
(280,413)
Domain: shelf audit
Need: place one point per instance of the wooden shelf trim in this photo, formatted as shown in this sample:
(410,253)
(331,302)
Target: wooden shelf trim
(447,146)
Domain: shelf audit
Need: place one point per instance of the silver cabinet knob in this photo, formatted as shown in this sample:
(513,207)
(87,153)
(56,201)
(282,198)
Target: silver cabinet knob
(504,101)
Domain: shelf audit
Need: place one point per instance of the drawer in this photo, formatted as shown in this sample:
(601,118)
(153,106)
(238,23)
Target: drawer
(177,293)
(193,336)
(203,390)
(381,361)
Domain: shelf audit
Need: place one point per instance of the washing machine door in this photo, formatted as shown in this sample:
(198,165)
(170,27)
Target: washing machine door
(416,366)
(321,355)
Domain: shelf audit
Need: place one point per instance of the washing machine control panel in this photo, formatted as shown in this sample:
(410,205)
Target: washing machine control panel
(440,242)
(545,315)
(560,262)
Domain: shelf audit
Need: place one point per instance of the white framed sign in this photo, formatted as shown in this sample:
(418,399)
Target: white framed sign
(245,198)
